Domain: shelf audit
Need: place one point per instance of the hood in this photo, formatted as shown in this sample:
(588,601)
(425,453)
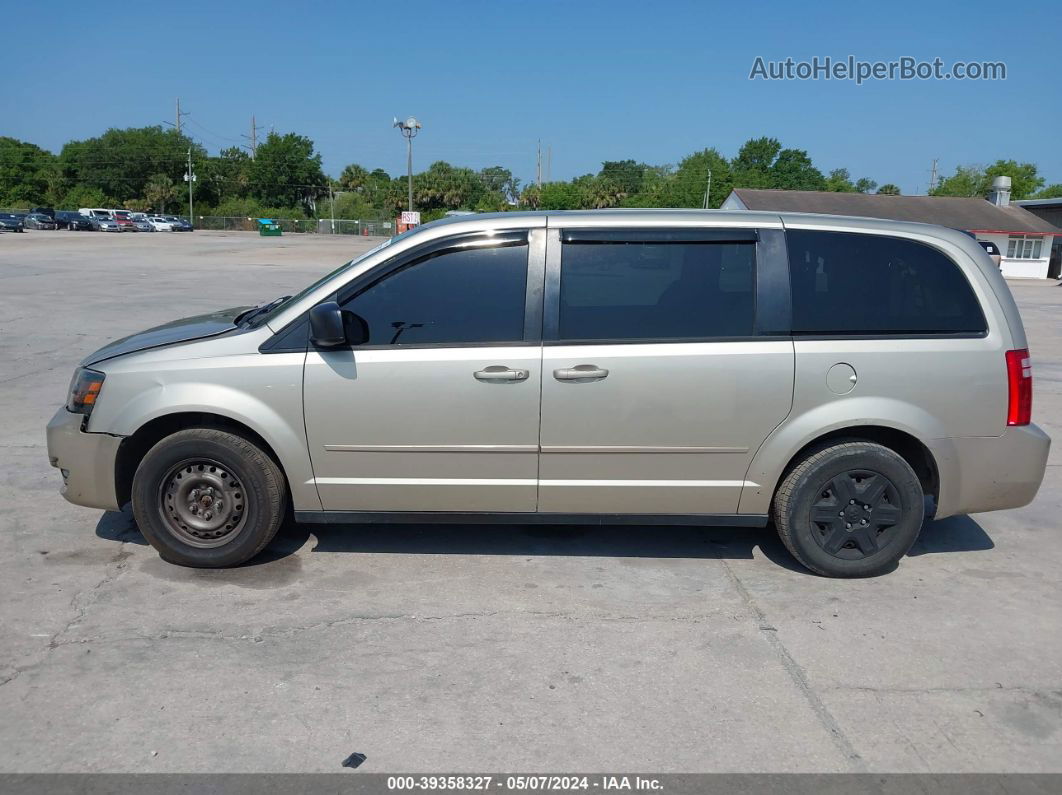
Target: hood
(184,330)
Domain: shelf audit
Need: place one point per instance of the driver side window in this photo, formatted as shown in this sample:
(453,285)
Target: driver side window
(455,296)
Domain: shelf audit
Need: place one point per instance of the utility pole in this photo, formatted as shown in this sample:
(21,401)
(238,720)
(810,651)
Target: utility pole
(538,164)
(933,176)
(708,191)
(189,177)
(253,138)
(332,198)
(179,114)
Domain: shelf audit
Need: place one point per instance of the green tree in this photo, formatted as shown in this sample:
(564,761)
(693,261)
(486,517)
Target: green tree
(120,162)
(600,193)
(500,180)
(888,189)
(839,181)
(763,163)
(689,183)
(1024,179)
(793,170)
(966,181)
(349,204)
(371,187)
(441,187)
(286,172)
(531,197)
(160,191)
(83,196)
(1050,192)
(561,196)
(25,173)
(627,175)
(865,185)
(977,180)
(752,166)
(353,178)
(225,177)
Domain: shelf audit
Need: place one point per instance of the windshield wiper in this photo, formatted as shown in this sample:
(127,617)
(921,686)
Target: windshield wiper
(251,314)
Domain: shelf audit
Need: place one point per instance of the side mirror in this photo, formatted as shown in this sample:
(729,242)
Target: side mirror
(326,326)
(355,328)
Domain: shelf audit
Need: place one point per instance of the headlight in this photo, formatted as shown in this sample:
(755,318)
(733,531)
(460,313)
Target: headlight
(84,390)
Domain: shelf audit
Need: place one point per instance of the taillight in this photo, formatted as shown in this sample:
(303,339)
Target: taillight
(1019,387)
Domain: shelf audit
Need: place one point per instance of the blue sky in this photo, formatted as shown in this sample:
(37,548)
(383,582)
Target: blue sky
(593,80)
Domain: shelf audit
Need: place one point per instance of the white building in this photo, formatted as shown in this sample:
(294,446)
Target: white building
(1023,238)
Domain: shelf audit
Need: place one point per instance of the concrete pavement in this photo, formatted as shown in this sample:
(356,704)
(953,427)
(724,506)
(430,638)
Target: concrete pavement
(506,648)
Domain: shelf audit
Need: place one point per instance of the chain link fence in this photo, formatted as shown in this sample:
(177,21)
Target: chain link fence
(325,226)
(364,227)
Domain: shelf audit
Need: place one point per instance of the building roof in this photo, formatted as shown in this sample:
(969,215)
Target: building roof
(1044,203)
(971,214)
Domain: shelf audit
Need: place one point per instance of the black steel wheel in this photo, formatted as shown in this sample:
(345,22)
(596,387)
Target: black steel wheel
(854,513)
(849,509)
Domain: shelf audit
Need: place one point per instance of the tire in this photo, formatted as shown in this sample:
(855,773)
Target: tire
(850,509)
(208,499)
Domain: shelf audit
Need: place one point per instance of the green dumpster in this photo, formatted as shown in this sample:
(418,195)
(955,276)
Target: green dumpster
(269,228)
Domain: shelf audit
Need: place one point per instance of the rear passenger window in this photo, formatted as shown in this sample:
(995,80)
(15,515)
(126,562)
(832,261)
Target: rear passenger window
(656,290)
(847,283)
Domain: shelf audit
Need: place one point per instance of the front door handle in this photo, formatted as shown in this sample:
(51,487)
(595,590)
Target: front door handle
(499,372)
(581,372)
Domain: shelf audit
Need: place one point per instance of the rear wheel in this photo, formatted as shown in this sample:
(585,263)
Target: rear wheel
(208,498)
(851,509)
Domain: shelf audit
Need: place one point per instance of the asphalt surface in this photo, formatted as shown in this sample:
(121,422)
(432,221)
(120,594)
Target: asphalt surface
(484,648)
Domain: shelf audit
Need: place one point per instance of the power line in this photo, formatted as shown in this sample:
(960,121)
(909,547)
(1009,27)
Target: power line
(206,129)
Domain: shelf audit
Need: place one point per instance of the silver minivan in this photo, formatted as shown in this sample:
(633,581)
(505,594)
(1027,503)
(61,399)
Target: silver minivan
(842,378)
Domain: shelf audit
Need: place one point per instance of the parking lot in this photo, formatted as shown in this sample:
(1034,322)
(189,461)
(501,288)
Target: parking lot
(509,648)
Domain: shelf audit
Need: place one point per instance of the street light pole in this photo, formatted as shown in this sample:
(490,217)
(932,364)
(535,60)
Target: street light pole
(410,127)
(409,170)
(708,192)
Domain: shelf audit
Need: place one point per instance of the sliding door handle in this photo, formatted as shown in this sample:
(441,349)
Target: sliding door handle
(497,372)
(581,372)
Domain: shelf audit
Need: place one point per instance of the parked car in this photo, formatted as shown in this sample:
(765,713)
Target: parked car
(40,221)
(11,222)
(826,373)
(73,222)
(160,224)
(49,211)
(992,250)
(121,217)
(179,224)
(105,224)
(143,225)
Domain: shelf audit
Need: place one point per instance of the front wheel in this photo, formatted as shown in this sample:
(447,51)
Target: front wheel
(851,509)
(208,498)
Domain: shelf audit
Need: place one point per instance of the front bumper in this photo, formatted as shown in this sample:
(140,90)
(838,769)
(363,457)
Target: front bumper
(86,461)
(990,473)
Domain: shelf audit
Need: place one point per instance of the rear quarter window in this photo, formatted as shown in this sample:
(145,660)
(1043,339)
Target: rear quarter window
(846,283)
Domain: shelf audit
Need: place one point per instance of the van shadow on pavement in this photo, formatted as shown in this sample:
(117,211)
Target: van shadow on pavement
(955,534)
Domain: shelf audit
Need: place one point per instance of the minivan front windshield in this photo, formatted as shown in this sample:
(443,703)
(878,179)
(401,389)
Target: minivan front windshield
(261,315)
